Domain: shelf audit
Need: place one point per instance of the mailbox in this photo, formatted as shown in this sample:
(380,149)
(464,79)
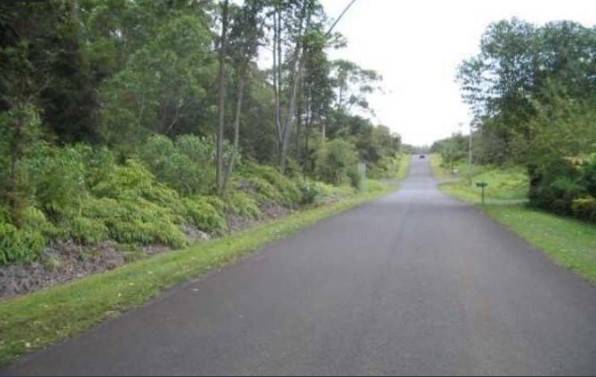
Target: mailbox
(482,185)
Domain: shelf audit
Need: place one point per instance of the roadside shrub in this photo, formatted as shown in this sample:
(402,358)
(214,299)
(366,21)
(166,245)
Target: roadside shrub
(588,175)
(216,202)
(309,190)
(566,186)
(100,163)
(373,185)
(34,218)
(355,178)
(584,208)
(204,215)
(197,149)
(57,176)
(385,167)
(264,191)
(20,245)
(130,179)
(334,160)
(185,165)
(241,204)
(289,194)
(85,230)
(136,221)
(319,193)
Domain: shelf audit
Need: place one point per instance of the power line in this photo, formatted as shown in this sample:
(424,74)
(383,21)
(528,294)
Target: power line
(339,17)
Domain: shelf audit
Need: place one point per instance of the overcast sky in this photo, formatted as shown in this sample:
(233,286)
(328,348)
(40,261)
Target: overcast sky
(417,45)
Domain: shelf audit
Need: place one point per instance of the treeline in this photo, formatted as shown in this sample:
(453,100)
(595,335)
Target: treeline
(532,90)
(126,119)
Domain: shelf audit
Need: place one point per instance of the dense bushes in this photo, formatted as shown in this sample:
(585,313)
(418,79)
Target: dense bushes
(567,187)
(185,165)
(83,194)
(16,244)
(336,161)
(386,167)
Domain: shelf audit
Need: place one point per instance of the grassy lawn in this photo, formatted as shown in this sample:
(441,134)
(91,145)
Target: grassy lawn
(568,242)
(33,321)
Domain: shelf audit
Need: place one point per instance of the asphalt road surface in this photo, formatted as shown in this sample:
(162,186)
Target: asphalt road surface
(414,283)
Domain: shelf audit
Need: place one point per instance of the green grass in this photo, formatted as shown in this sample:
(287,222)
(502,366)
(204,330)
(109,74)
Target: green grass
(568,242)
(34,321)
(505,185)
(404,166)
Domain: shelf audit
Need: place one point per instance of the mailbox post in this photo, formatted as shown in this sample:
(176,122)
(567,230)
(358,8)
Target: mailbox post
(482,185)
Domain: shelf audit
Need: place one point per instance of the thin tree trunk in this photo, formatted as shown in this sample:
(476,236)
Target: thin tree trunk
(297,75)
(287,128)
(299,120)
(221,99)
(237,115)
(276,69)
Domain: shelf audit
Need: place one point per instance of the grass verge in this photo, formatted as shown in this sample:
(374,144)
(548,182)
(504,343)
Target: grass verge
(404,166)
(568,242)
(34,321)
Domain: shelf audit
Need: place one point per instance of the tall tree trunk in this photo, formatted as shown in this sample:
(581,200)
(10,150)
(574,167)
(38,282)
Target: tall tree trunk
(219,165)
(287,127)
(300,112)
(237,116)
(277,70)
(297,69)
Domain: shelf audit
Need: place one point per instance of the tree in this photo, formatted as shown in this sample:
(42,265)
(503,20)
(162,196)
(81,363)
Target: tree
(164,87)
(221,95)
(247,30)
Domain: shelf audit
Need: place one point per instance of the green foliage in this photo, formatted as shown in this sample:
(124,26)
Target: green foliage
(375,186)
(263,190)
(168,76)
(19,245)
(355,177)
(334,160)
(216,202)
(566,186)
(85,230)
(451,149)
(20,136)
(584,208)
(319,193)
(185,165)
(269,185)
(309,190)
(242,204)
(531,89)
(108,110)
(204,215)
(135,221)
(34,218)
(505,184)
(385,167)
(57,177)
(288,192)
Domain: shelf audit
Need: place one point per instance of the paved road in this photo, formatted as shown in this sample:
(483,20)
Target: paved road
(415,283)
